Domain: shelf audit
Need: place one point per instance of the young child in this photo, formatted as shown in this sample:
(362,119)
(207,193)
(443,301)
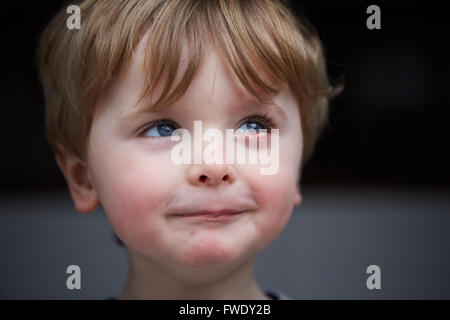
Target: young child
(117,89)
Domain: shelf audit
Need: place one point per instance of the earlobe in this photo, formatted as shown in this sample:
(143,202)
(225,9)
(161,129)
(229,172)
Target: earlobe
(79,182)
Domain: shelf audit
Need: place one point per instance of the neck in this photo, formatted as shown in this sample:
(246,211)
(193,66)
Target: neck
(148,280)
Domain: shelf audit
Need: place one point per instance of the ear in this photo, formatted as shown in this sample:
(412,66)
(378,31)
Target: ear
(298,196)
(78,180)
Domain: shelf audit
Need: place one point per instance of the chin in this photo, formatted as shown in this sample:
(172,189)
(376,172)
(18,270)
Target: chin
(213,253)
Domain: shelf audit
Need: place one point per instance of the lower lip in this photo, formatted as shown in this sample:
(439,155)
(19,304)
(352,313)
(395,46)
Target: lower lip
(210,217)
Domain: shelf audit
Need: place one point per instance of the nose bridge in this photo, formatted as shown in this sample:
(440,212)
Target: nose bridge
(210,149)
(209,144)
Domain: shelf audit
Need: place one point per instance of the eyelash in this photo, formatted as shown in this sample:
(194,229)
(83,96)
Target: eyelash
(264,118)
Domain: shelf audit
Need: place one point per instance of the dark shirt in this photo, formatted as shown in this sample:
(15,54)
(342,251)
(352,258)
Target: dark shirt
(272,294)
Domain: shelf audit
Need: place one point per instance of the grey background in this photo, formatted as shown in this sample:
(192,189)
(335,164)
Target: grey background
(322,254)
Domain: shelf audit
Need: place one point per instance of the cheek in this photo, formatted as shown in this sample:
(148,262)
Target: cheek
(276,204)
(275,197)
(132,191)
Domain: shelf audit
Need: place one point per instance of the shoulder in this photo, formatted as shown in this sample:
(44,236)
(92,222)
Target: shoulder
(277,295)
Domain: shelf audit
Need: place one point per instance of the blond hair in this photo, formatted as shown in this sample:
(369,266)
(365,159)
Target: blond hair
(76,66)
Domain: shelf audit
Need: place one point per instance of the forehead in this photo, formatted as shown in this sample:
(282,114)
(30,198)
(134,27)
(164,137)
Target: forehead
(214,77)
(215,82)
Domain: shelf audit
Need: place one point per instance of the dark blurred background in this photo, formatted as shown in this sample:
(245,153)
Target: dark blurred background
(390,125)
(378,183)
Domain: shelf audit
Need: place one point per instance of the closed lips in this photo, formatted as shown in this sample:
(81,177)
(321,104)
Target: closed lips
(211,213)
(209,203)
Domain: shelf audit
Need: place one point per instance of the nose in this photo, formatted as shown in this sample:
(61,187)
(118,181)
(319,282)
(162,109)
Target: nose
(211,174)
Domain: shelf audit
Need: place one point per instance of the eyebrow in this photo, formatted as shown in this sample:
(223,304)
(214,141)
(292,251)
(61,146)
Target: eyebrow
(131,116)
(269,107)
(272,107)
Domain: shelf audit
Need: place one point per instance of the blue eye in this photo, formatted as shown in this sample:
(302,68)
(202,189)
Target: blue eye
(160,129)
(256,124)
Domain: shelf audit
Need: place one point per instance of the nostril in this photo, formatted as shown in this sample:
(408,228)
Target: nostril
(225,177)
(203,178)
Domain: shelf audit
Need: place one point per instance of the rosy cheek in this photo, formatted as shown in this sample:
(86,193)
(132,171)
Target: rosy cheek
(133,196)
(275,199)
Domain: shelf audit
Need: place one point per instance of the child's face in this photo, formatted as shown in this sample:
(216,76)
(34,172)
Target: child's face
(141,189)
